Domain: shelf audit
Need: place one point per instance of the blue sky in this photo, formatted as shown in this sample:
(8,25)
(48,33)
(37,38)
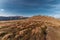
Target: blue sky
(30,7)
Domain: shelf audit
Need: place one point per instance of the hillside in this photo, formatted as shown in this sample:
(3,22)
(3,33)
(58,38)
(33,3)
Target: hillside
(33,28)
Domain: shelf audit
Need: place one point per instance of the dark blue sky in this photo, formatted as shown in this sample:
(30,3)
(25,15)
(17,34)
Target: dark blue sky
(30,7)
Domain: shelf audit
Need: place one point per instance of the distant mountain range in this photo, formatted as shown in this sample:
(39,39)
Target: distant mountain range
(3,18)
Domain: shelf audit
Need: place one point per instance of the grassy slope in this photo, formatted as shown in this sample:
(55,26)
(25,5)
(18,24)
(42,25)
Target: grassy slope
(34,28)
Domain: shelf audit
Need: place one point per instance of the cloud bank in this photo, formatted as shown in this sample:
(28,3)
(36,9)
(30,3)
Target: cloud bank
(31,7)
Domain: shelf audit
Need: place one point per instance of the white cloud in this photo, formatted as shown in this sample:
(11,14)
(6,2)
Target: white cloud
(55,14)
(2,13)
(2,10)
(55,11)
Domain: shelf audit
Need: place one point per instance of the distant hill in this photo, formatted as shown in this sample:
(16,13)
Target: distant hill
(33,28)
(2,18)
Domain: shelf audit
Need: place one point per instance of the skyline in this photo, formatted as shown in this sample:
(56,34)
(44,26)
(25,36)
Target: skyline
(30,7)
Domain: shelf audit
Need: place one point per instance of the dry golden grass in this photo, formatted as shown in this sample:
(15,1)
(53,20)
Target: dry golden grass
(34,28)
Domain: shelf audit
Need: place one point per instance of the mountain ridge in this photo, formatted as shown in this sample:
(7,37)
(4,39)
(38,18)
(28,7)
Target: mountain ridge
(4,18)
